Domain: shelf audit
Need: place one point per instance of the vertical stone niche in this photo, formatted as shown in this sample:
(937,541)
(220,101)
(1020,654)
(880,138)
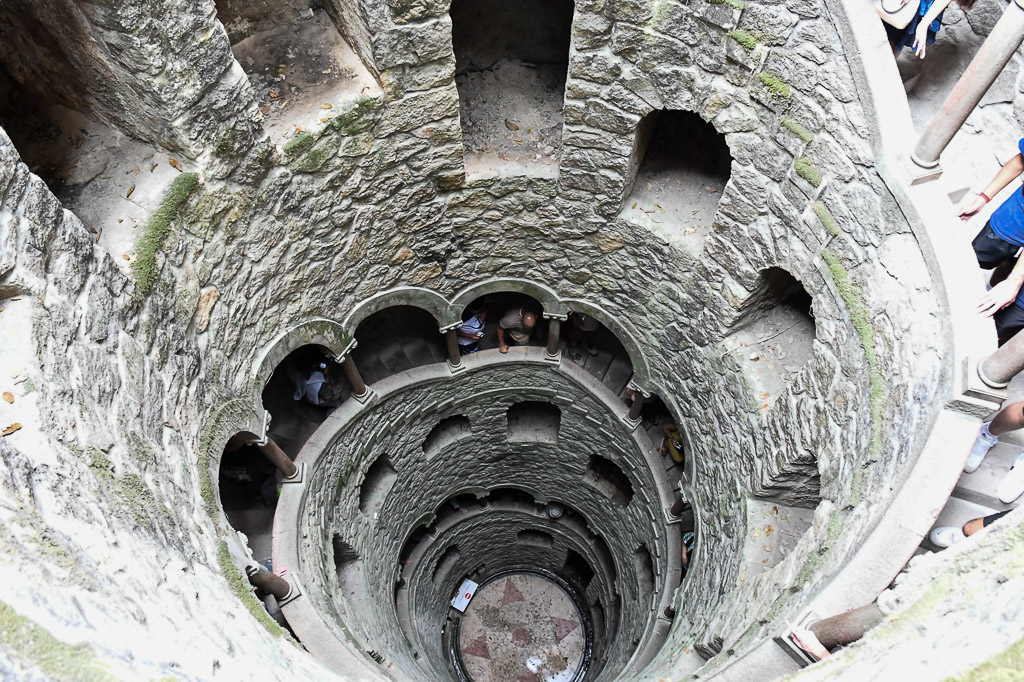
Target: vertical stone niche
(298,61)
(773,334)
(682,165)
(511,61)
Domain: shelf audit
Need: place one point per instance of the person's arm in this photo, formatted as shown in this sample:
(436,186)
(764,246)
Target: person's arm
(921,34)
(1004,293)
(502,346)
(465,335)
(1004,177)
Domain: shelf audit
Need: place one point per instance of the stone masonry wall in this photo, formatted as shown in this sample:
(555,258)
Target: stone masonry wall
(483,460)
(375,199)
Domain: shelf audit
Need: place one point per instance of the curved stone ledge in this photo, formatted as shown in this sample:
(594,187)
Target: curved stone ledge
(289,518)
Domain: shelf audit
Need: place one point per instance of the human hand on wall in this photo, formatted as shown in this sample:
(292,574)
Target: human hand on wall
(998,297)
(920,39)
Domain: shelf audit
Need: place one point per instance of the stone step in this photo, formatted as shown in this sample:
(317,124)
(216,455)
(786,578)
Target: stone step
(598,365)
(957,512)
(418,350)
(370,365)
(618,375)
(391,354)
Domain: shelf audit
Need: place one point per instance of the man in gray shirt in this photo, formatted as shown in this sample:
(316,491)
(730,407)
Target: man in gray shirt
(517,324)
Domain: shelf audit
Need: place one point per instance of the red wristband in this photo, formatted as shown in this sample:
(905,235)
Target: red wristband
(984,196)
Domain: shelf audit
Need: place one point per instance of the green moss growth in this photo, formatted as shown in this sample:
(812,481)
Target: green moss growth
(806,169)
(298,144)
(224,142)
(827,221)
(157,229)
(1005,666)
(775,85)
(99,463)
(240,586)
(35,645)
(793,126)
(735,4)
(853,296)
(745,40)
(355,118)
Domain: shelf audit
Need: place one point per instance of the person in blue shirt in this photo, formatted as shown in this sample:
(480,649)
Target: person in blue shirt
(998,247)
(921,30)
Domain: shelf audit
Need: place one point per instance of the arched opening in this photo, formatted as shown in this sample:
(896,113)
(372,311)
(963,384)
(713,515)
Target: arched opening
(511,61)
(248,484)
(535,538)
(376,485)
(682,165)
(445,564)
(774,334)
(606,476)
(396,339)
(533,422)
(447,431)
(302,392)
(296,59)
(346,563)
(644,570)
(508,309)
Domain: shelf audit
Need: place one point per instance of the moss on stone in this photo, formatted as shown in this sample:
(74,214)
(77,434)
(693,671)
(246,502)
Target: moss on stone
(745,40)
(99,463)
(1005,666)
(355,117)
(826,219)
(794,126)
(735,4)
(157,229)
(806,169)
(853,296)
(775,85)
(298,144)
(240,586)
(224,142)
(30,642)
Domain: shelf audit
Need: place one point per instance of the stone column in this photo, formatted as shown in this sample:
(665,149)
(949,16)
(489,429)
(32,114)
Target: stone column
(454,356)
(986,66)
(846,628)
(278,458)
(270,583)
(554,331)
(359,390)
(999,368)
(637,407)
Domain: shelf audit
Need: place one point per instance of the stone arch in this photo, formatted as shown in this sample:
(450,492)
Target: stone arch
(417,297)
(623,332)
(319,331)
(546,296)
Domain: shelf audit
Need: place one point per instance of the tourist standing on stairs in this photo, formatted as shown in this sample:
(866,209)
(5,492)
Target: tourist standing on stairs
(998,247)
(516,325)
(472,330)
(578,333)
(1010,418)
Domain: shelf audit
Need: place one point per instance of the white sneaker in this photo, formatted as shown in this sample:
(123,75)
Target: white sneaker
(946,536)
(982,445)
(1013,483)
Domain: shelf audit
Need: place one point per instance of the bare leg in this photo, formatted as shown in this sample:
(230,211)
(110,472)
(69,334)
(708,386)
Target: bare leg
(973,526)
(1010,418)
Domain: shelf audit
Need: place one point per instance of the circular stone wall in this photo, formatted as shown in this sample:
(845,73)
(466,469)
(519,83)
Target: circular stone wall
(385,550)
